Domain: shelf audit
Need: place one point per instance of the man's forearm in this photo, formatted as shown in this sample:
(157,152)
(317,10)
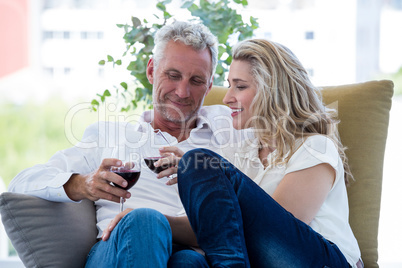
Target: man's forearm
(74,188)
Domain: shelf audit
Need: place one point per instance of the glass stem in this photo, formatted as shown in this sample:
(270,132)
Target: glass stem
(121,204)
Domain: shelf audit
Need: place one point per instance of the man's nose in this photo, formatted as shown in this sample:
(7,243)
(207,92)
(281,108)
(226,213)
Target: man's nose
(183,89)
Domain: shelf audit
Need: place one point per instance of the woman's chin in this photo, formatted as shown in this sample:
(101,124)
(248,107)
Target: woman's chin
(237,127)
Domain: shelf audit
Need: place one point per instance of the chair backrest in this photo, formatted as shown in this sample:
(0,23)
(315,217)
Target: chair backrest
(363,110)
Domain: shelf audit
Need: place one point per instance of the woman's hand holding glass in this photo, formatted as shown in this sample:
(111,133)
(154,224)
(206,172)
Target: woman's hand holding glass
(171,156)
(163,162)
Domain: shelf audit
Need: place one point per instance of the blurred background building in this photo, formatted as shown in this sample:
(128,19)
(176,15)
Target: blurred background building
(60,42)
(52,48)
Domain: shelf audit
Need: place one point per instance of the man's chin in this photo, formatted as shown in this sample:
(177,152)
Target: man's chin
(176,118)
(175,115)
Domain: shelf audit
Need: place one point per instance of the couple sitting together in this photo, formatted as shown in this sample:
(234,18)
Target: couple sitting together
(260,183)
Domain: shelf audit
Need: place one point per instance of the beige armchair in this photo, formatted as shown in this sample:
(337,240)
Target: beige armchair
(363,110)
(48,234)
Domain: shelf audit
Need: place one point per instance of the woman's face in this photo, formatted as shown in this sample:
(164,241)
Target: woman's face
(242,89)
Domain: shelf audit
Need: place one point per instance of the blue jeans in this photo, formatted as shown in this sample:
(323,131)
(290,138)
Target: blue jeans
(143,238)
(238,224)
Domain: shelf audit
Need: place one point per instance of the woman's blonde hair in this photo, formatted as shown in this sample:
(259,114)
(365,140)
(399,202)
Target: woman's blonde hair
(287,104)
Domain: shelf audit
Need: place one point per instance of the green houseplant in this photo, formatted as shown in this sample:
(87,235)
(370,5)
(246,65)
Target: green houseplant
(220,17)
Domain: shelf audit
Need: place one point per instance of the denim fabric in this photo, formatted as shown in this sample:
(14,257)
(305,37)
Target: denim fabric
(186,258)
(238,224)
(143,238)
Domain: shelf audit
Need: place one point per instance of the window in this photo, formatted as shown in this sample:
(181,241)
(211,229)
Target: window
(268,35)
(84,35)
(91,35)
(48,35)
(48,71)
(66,35)
(309,36)
(101,72)
(67,70)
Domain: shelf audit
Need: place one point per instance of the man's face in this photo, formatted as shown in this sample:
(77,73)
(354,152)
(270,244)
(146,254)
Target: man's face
(180,82)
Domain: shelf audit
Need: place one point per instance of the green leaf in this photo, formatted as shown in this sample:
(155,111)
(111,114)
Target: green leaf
(106,93)
(124,85)
(134,103)
(101,62)
(219,69)
(137,66)
(254,22)
(221,50)
(110,58)
(118,62)
(223,38)
(165,2)
(187,4)
(161,6)
(136,22)
(242,2)
(166,15)
(125,109)
(94,102)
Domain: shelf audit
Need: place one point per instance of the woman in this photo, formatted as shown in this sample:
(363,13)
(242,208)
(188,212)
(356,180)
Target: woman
(285,205)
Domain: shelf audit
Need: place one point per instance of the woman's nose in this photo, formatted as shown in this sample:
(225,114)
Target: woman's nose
(229,98)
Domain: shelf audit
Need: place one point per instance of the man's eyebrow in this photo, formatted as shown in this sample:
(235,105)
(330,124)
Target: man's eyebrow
(172,70)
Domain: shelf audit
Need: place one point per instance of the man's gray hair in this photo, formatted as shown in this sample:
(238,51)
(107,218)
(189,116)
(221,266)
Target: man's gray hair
(196,35)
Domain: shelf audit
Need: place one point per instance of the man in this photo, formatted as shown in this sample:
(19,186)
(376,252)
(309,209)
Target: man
(181,73)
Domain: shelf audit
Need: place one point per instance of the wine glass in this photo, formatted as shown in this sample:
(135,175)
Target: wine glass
(150,160)
(130,169)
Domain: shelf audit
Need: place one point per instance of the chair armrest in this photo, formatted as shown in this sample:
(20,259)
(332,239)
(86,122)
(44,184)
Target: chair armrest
(49,234)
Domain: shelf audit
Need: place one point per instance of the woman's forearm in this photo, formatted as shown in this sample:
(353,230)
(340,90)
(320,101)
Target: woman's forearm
(182,231)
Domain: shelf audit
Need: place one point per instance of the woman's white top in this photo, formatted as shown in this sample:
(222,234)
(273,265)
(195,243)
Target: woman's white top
(332,220)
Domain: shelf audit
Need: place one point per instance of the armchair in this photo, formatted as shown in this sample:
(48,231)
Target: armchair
(48,234)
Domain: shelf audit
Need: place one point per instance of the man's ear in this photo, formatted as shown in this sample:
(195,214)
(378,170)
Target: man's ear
(210,86)
(150,71)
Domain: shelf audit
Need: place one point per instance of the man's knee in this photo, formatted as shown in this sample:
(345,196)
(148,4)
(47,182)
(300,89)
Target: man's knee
(146,221)
(142,215)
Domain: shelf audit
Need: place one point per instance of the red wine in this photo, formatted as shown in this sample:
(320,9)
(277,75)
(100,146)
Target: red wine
(131,176)
(150,163)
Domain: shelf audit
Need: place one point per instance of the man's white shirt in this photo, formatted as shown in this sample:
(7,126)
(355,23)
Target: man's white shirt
(213,131)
